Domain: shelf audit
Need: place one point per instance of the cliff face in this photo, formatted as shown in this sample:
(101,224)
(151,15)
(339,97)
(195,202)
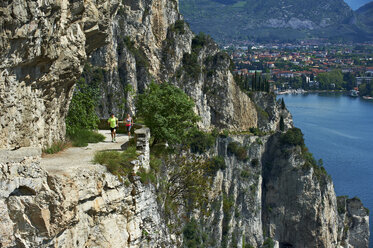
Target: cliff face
(150,42)
(43,45)
(42,206)
(266,196)
(265,193)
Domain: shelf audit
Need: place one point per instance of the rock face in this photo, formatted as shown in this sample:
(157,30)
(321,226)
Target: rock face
(266,193)
(267,196)
(149,41)
(43,46)
(87,207)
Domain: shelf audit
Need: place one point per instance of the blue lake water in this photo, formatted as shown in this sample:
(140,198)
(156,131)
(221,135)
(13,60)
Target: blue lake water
(339,129)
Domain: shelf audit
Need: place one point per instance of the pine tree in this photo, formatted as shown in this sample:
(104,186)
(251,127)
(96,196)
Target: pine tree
(282,103)
(282,124)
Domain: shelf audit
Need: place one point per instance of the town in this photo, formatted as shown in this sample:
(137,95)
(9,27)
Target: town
(307,66)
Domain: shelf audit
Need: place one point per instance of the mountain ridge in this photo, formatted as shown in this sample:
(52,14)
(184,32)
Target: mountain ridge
(285,20)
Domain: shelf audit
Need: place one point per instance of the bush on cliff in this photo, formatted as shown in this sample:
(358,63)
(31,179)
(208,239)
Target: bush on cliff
(82,118)
(293,136)
(82,110)
(199,141)
(167,111)
(238,150)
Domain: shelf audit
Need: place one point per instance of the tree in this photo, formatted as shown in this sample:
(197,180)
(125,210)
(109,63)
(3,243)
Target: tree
(82,110)
(167,111)
(282,124)
(282,103)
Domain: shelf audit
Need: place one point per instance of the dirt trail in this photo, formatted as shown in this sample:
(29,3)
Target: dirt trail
(76,157)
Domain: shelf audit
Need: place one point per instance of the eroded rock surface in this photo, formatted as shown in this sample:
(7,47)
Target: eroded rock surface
(43,45)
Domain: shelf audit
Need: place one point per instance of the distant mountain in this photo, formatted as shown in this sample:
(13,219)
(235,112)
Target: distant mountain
(365,15)
(355,4)
(284,20)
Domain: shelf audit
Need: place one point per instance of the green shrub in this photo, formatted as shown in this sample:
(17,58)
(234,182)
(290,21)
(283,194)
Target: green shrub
(146,177)
(191,65)
(82,109)
(167,111)
(199,141)
(293,136)
(238,150)
(81,137)
(256,131)
(155,164)
(245,174)
(254,162)
(118,163)
(269,243)
(56,147)
(217,163)
(199,41)
(192,235)
(228,203)
(178,27)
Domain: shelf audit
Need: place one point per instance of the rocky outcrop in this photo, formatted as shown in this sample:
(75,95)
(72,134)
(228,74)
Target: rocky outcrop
(151,42)
(43,46)
(262,191)
(86,207)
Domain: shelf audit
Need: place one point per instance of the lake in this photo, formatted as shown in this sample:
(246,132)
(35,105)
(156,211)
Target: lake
(339,129)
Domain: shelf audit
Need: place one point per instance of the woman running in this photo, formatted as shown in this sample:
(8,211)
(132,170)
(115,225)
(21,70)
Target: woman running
(129,123)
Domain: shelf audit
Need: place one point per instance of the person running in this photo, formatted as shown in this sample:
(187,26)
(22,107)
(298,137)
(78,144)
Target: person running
(129,123)
(113,122)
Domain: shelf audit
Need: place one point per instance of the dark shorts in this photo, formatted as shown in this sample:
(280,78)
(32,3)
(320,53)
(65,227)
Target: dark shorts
(113,129)
(129,128)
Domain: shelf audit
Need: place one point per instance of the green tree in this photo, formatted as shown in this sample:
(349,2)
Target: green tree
(82,111)
(282,124)
(167,111)
(350,80)
(326,79)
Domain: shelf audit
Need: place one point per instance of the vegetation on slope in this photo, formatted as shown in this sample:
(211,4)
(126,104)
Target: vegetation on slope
(82,120)
(167,111)
(294,137)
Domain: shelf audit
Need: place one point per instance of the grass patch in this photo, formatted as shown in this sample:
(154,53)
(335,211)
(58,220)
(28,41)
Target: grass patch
(81,137)
(56,147)
(147,177)
(118,163)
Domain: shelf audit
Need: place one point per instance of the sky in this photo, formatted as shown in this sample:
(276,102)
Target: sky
(355,4)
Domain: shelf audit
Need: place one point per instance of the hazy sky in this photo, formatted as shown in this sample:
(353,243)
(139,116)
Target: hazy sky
(355,4)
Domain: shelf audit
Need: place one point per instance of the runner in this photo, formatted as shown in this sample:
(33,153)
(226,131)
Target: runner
(129,123)
(113,122)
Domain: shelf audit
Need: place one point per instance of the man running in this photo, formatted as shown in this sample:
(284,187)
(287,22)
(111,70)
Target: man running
(129,123)
(113,122)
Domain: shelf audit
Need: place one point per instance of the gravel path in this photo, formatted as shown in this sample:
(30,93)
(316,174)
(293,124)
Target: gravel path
(74,158)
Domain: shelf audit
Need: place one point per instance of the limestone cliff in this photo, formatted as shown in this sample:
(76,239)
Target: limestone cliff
(264,191)
(43,46)
(266,195)
(149,41)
